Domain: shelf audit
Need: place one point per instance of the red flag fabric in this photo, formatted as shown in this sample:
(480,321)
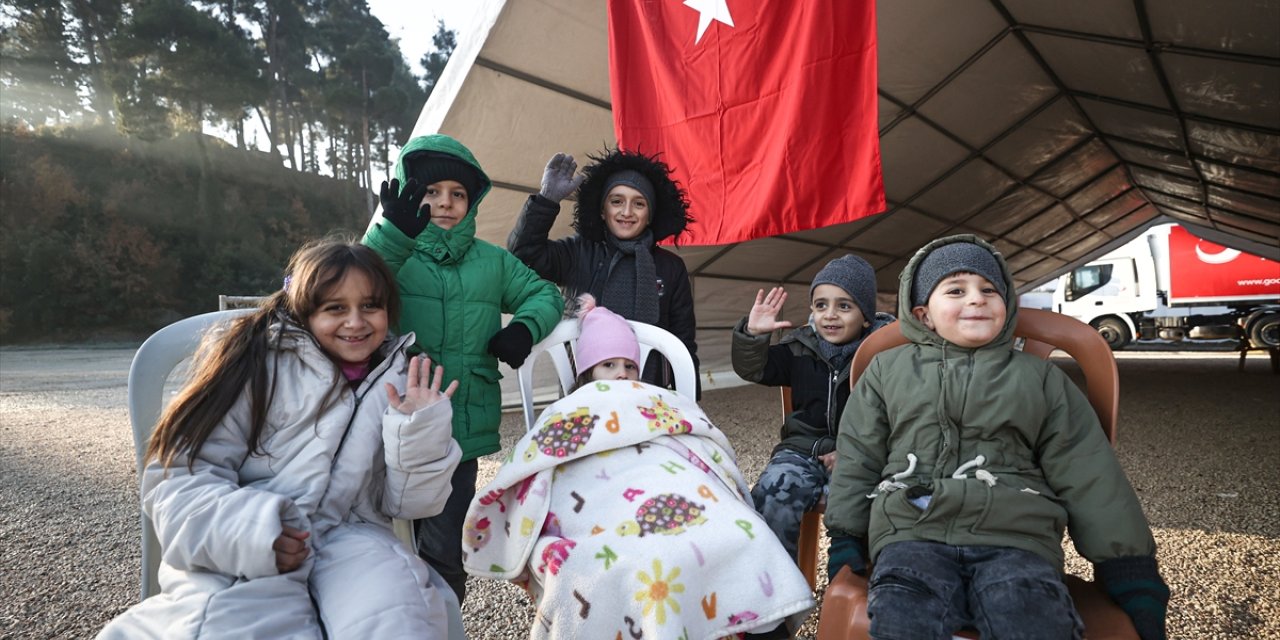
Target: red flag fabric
(765,109)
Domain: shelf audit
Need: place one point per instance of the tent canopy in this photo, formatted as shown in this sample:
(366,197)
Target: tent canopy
(1056,130)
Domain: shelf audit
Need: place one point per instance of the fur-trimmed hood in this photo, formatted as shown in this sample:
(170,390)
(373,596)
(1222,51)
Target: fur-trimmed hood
(670,214)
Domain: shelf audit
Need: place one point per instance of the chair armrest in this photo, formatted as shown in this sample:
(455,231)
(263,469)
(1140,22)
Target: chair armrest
(844,608)
(1103,618)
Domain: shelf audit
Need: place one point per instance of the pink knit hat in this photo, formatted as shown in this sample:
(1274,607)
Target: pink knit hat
(605,335)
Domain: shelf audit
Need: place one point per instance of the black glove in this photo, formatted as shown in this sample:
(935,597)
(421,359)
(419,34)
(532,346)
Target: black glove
(1134,583)
(512,344)
(400,207)
(846,551)
(558,180)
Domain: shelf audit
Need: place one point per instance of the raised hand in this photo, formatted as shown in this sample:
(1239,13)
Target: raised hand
(558,179)
(400,207)
(763,318)
(291,549)
(422,389)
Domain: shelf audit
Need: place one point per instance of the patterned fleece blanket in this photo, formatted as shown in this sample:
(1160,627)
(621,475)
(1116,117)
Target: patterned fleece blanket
(624,514)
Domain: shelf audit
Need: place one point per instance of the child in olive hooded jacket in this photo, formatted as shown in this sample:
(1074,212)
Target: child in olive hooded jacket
(455,288)
(961,461)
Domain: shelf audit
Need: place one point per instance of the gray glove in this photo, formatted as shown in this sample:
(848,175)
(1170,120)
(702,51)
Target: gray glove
(558,179)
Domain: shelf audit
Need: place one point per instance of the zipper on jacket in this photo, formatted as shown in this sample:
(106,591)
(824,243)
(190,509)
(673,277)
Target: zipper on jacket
(370,381)
(831,401)
(943,422)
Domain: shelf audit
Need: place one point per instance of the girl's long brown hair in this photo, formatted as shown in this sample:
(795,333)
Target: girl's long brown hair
(234,357)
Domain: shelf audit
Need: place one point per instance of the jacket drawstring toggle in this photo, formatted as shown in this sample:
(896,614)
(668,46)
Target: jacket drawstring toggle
(895,483)
(981,474)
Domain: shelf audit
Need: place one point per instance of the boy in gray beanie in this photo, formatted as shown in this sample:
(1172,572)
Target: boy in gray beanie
(962,462)
(814,361)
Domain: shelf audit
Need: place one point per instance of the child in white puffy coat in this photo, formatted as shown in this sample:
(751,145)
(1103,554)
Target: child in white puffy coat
(273,477)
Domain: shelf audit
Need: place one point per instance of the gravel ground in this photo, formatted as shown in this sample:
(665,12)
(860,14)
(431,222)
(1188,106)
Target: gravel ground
(1198,439)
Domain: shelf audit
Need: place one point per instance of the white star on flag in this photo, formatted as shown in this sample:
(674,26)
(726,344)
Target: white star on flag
(709,10)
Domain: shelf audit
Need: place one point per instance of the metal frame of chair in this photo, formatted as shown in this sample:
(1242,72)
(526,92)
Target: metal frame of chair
(844,606)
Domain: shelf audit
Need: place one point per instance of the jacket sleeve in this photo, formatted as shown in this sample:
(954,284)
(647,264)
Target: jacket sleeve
(204,519)
(861,456)
(390,243)
(755,361)
(421,455)
(1080,466)
(533,301)
(529,241)
(683,323)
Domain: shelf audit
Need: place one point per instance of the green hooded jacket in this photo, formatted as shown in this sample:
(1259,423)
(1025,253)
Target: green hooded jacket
(1045,461)
(455,289)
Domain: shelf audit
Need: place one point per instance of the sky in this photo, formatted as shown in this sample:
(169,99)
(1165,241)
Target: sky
(413,22)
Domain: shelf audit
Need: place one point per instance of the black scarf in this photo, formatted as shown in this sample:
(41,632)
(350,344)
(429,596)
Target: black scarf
(837,354)
(631,286)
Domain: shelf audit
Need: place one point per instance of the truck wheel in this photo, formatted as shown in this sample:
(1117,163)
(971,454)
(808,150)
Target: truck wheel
(1265,331)
(1114,331)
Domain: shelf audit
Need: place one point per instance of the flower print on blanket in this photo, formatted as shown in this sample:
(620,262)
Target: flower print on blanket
(583,524)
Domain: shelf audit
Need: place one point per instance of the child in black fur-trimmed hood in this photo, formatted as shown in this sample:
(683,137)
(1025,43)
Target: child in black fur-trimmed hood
(627,203)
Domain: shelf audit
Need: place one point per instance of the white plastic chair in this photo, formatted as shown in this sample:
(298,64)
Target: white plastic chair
(152,364)
(151,367)
(558,344)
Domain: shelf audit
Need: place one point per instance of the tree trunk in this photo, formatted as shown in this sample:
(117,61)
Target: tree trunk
(364,132)
(101,62)
(202,181)
(275,95)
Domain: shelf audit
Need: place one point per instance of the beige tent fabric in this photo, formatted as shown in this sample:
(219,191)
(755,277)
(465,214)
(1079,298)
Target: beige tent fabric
(1057,131)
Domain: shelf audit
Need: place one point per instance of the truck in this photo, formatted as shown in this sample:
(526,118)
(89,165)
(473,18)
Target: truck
(1167,284)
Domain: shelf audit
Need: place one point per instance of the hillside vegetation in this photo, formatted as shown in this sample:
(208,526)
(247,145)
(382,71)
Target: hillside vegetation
(107,236)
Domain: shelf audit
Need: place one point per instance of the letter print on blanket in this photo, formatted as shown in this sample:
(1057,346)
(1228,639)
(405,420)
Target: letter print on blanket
(623,512)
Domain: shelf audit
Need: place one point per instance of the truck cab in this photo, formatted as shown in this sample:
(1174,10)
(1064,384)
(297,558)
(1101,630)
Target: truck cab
(1106,292)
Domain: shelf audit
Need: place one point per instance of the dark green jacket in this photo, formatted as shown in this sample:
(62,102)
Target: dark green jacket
(1037,434)
(455,289)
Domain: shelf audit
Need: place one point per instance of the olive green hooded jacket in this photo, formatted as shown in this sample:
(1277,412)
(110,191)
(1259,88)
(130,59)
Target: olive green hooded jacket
(1006,445)
(455,288)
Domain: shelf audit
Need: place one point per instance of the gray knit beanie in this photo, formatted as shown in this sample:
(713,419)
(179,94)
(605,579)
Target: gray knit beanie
(635,180)
(856,277)
(952,258)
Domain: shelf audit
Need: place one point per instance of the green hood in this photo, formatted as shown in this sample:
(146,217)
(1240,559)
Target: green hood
(915,331)
(465,230)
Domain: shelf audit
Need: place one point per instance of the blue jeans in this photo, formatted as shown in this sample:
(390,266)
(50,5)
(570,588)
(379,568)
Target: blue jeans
(440,537)
(790,485)
(922,590)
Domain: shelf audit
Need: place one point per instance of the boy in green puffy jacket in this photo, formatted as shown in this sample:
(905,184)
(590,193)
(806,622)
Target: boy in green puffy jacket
(455,288)
(960,462)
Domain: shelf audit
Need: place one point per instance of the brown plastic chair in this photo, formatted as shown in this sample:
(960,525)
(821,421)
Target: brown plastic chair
(810,524)
(844,605)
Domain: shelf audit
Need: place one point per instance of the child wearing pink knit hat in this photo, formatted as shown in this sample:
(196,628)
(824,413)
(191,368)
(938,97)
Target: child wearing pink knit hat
(624,502)
(607,347)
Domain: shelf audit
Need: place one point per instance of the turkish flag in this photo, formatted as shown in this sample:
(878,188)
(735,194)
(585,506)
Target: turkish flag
(764,109)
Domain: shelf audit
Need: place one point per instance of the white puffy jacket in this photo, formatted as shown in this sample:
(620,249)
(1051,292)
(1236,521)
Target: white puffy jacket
(338,465)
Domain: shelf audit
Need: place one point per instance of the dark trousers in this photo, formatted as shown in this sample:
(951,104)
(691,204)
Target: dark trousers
(440,537)
(922,590)
(791,484)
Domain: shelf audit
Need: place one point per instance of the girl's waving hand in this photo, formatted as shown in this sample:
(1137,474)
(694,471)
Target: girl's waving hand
(422,389)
